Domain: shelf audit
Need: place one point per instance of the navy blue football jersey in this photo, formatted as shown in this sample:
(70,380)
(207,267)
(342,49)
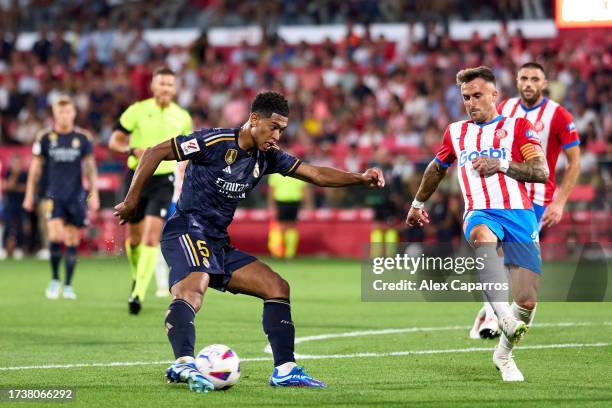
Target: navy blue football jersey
(220,174)
(63,153)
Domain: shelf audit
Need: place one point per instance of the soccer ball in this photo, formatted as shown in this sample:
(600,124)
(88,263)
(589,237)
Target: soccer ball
(220,365)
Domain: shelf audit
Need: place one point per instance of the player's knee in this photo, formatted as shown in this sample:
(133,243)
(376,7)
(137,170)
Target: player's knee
(526,303)
(482,235)
(279,288)
(193,297)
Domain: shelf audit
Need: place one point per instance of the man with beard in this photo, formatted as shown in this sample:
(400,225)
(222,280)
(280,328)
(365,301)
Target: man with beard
(556,130)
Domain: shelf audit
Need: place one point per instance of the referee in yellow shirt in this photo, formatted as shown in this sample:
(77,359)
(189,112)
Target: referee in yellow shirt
(285,195)
(144,124)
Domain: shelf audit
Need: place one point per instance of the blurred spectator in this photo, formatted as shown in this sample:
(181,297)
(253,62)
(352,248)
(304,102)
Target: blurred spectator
(14,185)
(42,46)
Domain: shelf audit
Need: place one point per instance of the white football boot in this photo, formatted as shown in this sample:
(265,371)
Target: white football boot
(504,362)
(513,328)
(53,290)
(489,329)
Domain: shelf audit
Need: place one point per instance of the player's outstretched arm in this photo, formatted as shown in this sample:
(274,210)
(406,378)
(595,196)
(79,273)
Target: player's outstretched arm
(147,164)
(331,177)
(33,175)
(429,183)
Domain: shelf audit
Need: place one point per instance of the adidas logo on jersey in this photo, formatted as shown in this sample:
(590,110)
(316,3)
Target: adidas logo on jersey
(227,170)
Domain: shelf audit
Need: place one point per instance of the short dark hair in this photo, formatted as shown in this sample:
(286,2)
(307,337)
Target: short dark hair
(163,71)
(533,64)
(470,74)
(267,103)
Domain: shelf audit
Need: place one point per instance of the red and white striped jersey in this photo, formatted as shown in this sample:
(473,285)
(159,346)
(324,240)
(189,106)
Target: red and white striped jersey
(556,131)
(513,139)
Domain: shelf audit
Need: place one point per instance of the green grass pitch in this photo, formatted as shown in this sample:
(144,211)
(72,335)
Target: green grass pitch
(96,328)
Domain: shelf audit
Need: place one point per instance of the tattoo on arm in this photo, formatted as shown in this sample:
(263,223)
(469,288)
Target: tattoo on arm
(534,170)
(431,179)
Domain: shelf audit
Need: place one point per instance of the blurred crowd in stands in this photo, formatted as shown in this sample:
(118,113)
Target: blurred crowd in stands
(20,15)
(358,102)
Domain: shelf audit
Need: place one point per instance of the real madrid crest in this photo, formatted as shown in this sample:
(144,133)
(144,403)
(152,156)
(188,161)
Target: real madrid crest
(256,170)
(76,143)
(53,138)
(230,156)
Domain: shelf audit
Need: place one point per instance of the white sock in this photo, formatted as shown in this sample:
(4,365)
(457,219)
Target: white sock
(504,347)
(523,314)
(494,272)
(286,368)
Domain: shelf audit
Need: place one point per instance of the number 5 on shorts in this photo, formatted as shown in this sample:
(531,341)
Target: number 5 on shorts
(201,244)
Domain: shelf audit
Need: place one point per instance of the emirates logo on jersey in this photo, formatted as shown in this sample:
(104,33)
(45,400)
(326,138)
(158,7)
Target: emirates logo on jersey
(539,126)
(500,134)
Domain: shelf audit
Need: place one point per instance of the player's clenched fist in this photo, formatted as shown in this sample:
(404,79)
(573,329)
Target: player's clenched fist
(417,216)
(124,211)
(374,178)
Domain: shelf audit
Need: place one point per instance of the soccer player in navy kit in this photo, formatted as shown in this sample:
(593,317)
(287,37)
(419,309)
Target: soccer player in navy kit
(62,150)
(224,165)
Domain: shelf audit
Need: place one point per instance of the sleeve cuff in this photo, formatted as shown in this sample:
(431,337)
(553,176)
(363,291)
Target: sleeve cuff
(175,150)
(571,144)
(293,168)
(441,163)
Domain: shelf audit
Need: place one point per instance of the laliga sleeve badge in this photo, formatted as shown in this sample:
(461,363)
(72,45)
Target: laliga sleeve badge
(190,146)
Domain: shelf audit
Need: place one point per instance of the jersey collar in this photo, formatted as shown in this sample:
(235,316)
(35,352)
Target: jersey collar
(497,119)
(526,109)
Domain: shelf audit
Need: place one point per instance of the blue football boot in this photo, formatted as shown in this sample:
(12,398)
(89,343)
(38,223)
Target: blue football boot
(296,378)
(184,370)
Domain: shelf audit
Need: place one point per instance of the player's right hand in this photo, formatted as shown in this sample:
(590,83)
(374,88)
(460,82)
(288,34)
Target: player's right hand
(28,204)
(417,216)
(124,211)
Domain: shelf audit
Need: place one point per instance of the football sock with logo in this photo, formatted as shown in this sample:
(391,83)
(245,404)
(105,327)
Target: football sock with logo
(145,269)
(56,256)
(71,260)
(291,242)
(494,274)
(180,328)
(133,253)
(523,314)
(278,326)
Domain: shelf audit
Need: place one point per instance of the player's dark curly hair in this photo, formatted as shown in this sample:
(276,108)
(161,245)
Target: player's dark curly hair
(469,74)
(267,103)
(533,64)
